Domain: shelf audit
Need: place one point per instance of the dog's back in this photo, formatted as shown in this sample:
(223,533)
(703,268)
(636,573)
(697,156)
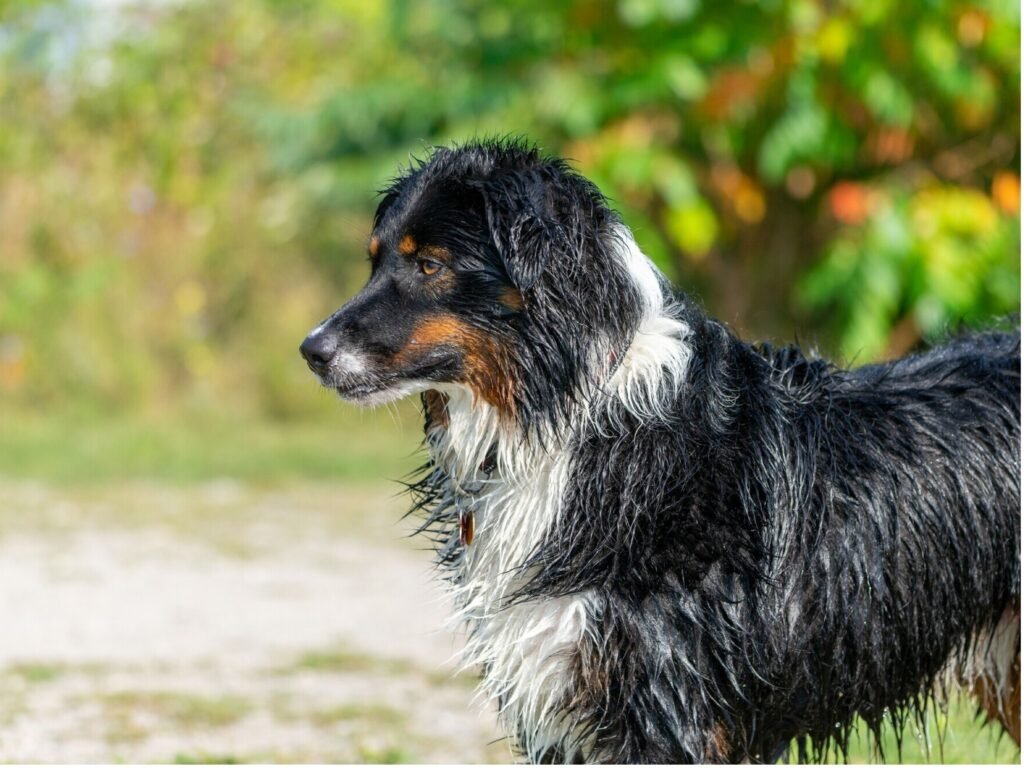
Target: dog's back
(904,560)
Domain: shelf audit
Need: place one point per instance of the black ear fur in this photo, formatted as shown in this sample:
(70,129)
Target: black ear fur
(521,217)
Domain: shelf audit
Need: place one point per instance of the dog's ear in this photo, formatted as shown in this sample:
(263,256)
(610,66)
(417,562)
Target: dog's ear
(522,216)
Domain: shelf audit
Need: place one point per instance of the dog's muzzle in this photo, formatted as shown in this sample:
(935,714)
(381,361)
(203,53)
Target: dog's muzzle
(341,366)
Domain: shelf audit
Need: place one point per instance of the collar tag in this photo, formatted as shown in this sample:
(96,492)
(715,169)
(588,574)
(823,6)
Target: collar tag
(466,526)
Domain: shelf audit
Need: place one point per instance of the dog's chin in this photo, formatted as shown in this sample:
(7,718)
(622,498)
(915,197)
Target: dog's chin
(369,394)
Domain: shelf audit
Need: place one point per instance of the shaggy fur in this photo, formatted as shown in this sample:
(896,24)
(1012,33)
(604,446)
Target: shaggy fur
(668,545)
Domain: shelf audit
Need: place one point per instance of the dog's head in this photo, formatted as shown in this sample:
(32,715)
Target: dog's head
(492,268)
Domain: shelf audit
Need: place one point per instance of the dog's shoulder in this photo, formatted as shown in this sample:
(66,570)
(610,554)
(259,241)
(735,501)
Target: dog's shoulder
(790,365)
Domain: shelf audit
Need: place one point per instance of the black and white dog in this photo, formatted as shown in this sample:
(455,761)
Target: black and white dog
(669,545)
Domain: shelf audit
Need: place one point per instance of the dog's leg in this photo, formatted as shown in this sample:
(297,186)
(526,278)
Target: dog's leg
(1002,705)
(996,683)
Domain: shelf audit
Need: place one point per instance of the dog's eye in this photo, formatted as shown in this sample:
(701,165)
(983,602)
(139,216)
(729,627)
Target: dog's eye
(429,267)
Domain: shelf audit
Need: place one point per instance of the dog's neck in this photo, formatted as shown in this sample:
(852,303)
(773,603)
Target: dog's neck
(490,469)
(512,483)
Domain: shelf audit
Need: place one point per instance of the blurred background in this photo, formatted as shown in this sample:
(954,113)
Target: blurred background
(203,548)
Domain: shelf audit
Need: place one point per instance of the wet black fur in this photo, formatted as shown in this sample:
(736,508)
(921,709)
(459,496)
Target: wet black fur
(800,545)
(514,219)
(795,545)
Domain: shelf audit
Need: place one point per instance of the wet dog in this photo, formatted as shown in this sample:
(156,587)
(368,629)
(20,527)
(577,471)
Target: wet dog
(669,545)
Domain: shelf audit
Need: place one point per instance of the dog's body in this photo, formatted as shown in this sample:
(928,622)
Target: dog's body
(668,545)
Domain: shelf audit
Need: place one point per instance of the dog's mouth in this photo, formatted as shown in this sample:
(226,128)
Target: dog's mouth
(358,390)
(370,392)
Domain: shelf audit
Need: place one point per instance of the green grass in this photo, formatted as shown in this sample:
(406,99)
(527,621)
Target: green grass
(182,448)
(35,672)
(380,716)
(182,710)
(340,659)
(202,758)
(238,519)
(957,736)
(384,756)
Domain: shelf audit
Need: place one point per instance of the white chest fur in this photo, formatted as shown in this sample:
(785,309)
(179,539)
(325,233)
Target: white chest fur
(528,649)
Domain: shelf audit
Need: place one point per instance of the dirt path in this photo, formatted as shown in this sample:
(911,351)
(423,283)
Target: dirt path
(153,624)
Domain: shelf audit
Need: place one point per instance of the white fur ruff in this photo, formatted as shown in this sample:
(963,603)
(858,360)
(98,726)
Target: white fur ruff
(527,649)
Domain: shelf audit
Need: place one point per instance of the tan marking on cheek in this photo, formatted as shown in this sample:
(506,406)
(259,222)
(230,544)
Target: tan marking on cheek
(374,247)
(407,245)
(439,329)
(513,299)
(490,374)
(488,367)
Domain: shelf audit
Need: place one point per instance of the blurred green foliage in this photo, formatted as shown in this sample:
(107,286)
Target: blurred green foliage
(186,187)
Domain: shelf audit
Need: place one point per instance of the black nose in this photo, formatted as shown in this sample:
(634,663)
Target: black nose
(319,349)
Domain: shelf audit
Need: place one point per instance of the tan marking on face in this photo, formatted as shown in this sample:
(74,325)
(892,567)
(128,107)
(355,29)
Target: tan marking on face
(436,330)
(407,245)
(374,247)
(436,253)
(487,364)
(513,299)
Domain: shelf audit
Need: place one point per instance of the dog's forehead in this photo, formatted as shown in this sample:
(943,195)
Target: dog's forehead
(431,218)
